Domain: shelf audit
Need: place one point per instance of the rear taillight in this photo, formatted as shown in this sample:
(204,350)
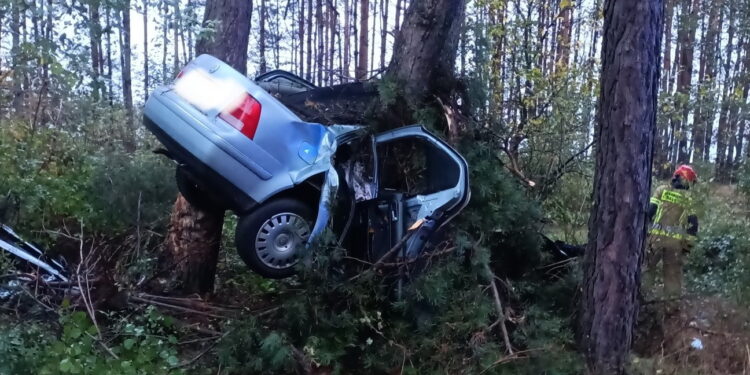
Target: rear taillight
(244,117)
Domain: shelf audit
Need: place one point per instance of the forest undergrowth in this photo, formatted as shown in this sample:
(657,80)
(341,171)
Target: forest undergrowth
(73,192)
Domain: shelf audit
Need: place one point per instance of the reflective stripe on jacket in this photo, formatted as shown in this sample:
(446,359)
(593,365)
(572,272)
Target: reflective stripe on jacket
(673,208)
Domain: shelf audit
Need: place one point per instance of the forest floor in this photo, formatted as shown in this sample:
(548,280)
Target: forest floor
(704,335)
(707,331)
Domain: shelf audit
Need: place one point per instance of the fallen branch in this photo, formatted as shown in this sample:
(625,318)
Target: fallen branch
(499,308)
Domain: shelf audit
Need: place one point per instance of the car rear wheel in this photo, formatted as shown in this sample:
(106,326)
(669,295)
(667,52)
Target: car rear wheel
(195,194)
(270,238)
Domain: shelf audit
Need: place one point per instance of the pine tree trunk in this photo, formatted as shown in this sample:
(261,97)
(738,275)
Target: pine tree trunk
(722,134)
(624,142)
(371,68)
(346,64)
(127,81)
(333,20)
(176,38)
(713,45)
(263,66)
(686,38)
(703,111)
(425,48)
(110,81)
(321,43)
(95,43)
(301,37)
(564,34)
(662,165)
(668,15)
(192,243)
(165,40)
(364,13)
(310,34)
(738,154)
(423,63)
(383,32)
(397,26)
(146,85)
(16,56)
(497,19)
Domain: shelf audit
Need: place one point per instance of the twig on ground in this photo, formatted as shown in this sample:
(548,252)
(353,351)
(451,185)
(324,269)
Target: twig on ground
(499,307)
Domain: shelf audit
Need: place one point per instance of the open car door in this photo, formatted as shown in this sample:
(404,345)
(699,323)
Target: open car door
(422,183)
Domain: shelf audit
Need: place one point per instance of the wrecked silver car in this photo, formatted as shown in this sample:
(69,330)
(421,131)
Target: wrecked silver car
(237,147)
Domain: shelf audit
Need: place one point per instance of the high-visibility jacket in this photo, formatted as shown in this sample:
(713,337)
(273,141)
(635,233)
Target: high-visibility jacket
(673,208)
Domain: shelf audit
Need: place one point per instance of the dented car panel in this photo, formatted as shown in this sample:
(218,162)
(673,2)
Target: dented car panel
(239,143)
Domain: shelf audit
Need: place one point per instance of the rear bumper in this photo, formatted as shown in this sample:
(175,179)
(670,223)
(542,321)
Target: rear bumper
(205,174)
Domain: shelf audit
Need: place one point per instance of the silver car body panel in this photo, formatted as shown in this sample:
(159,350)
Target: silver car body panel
(284,152)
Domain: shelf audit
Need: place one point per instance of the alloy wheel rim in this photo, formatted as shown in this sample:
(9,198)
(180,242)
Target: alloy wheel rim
(279,238)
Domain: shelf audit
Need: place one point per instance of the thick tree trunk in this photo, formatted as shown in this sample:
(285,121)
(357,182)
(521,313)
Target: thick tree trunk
(364,13)
(424,53)
(622,182)
(192,243)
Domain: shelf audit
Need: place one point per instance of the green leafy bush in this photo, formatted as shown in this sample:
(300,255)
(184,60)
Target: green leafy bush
(144,345)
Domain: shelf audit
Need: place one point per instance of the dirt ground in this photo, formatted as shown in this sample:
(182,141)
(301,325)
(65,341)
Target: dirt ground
(704,335)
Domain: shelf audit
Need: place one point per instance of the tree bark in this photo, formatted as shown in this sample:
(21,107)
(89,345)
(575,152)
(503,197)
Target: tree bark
(127,81)
(176,24)
(722,133)
(321,46)
(364,13)
(146,84)
(301,37)
(192,243)
(686,39)
(310,34)
(262,37)
(704,111)
(346,64)
(165,40)
(564,33)
(424,53)
(622,182)
(383,32)
(16,56)
(95,43)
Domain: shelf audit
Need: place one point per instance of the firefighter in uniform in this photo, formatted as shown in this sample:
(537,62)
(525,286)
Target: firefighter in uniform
(673,230)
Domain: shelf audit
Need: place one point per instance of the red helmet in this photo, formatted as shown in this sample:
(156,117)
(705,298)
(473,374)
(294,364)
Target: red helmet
(686,172)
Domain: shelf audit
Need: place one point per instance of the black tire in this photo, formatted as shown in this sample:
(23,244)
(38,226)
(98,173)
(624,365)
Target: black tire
(249,233)
(195,194)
